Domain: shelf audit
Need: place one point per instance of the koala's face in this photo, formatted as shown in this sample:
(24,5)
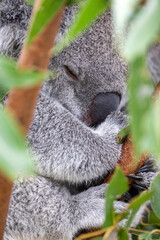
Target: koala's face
(89,66)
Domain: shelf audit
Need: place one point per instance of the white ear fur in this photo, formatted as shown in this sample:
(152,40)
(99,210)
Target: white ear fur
(11,39)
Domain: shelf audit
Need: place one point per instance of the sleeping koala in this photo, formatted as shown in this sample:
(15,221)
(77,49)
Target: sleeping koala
(68,153)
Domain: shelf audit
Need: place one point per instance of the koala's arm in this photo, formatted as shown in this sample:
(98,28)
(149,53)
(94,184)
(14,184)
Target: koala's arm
(67,149)
(55,214)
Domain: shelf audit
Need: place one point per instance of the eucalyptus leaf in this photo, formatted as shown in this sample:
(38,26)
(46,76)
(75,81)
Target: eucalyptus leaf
(44,14)
(145,236)
(88,12)
(123,12)
(121,136)
(135,205)
(122,234)
(11,76)
(15,159)
(155,199)
(3,92)
(117,186)
(143,29)
(140,106)
(153,219)
(138,232)
(141,199)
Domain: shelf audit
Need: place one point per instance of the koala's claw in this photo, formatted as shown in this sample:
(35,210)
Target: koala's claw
(140,186)
(144,176)
(126,197)
(119,118)
(134,177)
(147,167)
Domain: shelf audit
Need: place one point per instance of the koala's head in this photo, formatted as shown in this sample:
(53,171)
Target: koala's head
(89,66)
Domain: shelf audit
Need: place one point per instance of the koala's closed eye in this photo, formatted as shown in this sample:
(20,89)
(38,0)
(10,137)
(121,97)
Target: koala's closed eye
(70,73)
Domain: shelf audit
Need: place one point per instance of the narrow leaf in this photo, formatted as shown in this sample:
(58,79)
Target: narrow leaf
(3,92)
(121,136)
(117,186)
(140,95)
(123,12)
(11,76)
(138,201)
(15,159)
(153,219)
(155,199)
(47,10)
(122,234)
(136,204)
(143,29)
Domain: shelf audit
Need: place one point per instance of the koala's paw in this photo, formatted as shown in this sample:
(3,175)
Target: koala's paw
(91,207)
(113,124)
(144,176)
(118,118)
(98,191)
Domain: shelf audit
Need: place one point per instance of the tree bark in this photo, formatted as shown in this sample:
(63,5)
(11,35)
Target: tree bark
(21,101)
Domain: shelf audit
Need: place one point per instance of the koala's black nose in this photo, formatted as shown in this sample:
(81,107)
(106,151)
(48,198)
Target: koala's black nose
(102,105)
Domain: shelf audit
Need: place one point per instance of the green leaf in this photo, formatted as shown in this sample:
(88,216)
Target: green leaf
(136,204)
(140,107)
(131,217)
(117,186)
(138,201)
(11,76)
(122,234)
(88,12)
(3,92)
(123,12)
(15,159)
(121,136)
(143,29)
(145,236)
(155,199)
(30,2)
(153,219)
(46,11)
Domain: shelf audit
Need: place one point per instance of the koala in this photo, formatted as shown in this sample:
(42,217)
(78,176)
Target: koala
(69,153)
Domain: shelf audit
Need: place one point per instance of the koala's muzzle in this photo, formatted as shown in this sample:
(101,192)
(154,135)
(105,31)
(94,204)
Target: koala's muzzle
(101,106)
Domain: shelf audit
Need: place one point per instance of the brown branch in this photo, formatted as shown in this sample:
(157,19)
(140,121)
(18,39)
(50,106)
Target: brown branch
(21,102)
(5,192)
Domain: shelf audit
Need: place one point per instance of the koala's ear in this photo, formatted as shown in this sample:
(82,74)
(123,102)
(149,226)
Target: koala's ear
(153,62)
(102,105)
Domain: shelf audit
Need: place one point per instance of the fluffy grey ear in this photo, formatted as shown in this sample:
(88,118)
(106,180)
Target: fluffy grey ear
(11,40)
(153,61)
(14,19)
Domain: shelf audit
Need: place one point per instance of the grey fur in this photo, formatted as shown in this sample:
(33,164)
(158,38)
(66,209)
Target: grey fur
(67,152)
(154,62)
